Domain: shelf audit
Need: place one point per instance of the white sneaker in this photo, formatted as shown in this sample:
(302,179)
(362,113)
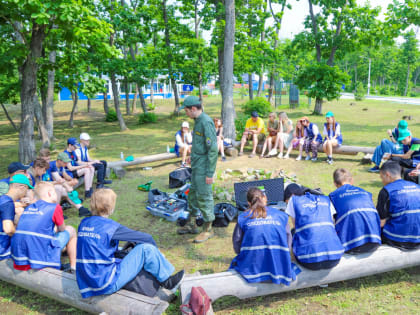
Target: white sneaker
(273,152)
(299,158)
(286,156)
(280,156)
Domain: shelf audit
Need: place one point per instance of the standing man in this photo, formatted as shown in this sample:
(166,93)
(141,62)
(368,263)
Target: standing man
(203,163)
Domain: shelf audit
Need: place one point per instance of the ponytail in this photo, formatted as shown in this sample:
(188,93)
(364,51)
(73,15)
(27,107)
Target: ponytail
(257,202)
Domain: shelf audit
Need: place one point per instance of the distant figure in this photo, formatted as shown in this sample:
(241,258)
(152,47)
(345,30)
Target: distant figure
(270,141)
(333,137)
(398,206)
(261,242)
(285,134)
(183,142)
(312,139)
(254,131)
(220,140)
(357,221)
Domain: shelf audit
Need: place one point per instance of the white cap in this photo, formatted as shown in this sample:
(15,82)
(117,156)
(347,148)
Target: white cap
(185,124)
(84,136)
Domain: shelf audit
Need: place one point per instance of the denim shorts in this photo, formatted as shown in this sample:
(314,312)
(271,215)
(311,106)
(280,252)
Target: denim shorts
(63,238)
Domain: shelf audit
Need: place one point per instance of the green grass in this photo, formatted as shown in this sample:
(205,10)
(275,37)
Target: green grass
(362,124)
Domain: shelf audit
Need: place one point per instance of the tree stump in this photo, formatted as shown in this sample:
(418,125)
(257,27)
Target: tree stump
(231,151)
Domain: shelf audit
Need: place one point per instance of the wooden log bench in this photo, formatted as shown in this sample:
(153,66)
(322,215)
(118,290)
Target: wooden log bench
(62,287)
(230,283)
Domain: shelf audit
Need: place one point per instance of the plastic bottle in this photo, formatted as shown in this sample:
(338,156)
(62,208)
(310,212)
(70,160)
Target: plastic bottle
(122,156)
(167,149)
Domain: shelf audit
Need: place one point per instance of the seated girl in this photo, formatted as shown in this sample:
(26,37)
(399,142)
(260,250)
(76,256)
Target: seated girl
(270,141)
(98,271)
(333,137)
(285,134)
(298,140)
(261,241)
(219,132)
(183,142)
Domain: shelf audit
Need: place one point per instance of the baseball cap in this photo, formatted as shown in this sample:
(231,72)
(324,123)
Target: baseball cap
(21,179)
(292,189)
(72,141)
(403,133)
(84,136)
(16,166)
(329,114)
(62,156)
(185,124)
(402,124)
(190,101)
(254,114)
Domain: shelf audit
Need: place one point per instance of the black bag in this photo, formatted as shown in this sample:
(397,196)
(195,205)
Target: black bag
(224,213)
(144,283)
(179,177)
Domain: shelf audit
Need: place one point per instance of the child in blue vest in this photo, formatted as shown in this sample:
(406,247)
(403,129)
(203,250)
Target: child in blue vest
(9,214)
(333,137)
(98,270)
(312,139)
(36,244)
(357,221)
(315,242)
(261,242)
(398,206)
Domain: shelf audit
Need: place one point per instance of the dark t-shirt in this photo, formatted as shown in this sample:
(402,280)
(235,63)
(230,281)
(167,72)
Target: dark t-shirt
(383,204)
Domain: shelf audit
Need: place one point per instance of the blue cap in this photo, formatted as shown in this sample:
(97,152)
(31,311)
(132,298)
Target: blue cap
(254,114)
(16,166)
(72,141)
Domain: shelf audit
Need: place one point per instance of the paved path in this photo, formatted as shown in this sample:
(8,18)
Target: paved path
(396,99)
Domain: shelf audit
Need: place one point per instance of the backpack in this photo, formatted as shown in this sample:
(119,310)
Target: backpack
(224,213)
(199,304)
(179,177)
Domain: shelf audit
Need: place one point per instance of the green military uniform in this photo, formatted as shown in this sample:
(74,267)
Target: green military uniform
(204,154)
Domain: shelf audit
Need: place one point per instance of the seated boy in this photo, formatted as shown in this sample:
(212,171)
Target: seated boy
(357,222)
(98,270)
(315,242)
(9,215)
(254,130)
(398,206)
(36,244)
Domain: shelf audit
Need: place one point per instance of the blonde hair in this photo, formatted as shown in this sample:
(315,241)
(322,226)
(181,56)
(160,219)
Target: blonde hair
(103,202)
(41,189)
(45,152)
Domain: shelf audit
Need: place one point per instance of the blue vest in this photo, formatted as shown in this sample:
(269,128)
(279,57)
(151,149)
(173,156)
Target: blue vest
(72,157)
(4,238)
(416,154)
(264,251)
(97,269)
(34,242)
(311,134)
(83,154)
(331,133)
(357,221)
(404,208)
(315,239)
(5,180)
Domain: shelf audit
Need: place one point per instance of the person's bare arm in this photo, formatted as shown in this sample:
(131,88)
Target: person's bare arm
(61,228)
(8,227)
(405,156)
(383,222)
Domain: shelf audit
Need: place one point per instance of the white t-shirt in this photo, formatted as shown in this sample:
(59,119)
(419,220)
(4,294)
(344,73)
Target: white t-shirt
(290,209)
(183,142)
(79,154)
(337,130)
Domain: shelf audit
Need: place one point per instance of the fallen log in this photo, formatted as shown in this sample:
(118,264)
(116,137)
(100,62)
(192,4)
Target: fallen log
(62,287)
(230,283)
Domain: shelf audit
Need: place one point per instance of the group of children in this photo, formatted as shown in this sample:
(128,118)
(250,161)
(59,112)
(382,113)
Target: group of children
(281,135)
(324,227)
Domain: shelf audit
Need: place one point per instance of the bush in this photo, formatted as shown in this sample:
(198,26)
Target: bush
(151,106)
(258,104)
(147,118)
(240,122)
(360,92)
(384,90)
(111,116)
(206,92)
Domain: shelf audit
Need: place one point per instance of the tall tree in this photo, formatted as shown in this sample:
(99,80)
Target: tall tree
(410,54)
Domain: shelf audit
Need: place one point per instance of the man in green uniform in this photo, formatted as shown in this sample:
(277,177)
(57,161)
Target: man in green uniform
(203,163)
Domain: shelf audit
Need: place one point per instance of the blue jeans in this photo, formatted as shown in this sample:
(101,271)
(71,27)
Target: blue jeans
(143,256)
(63,238)
(386,146)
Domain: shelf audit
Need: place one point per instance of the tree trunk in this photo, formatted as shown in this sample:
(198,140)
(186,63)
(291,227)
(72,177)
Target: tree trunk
(9,118)
(152,91)
(407,80)
(318,106)
(127,97)
(116,94)
(49,112)
(142,100)
(228,109)
(134,107)
(89,105)
(197,21)
(75,98)
(250,87)
(43,94)
(41,126)
(106,107)
(28,95)
(415,76)
(220,48)
(260,83)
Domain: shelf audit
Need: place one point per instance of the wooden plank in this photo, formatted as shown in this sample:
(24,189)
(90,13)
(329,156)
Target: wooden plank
(230,283)
(62,287)
(143,160)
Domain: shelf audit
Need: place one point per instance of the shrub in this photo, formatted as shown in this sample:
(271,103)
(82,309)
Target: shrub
(147,118)
(360,92)
(258,104)
(206,92)
(111,116)
(151,106)
(240,122)
(384,90)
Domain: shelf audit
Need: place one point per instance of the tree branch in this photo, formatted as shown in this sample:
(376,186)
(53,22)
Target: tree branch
(282,10)
(8,117)
(330,61)
(18,29)
(315,31)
